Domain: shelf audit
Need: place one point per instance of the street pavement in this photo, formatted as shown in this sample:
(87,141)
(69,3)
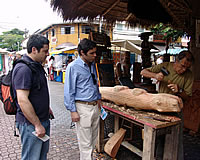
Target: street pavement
(63,141)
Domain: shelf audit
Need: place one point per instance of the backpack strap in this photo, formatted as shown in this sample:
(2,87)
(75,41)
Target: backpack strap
(32,65)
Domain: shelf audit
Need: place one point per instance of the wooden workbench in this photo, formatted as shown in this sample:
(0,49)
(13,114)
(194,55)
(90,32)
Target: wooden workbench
(154,124)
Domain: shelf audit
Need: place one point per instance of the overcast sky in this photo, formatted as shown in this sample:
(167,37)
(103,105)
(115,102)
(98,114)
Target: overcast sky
(29,14)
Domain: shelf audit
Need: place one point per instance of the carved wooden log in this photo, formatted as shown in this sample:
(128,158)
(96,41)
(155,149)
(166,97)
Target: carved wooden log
(140,99)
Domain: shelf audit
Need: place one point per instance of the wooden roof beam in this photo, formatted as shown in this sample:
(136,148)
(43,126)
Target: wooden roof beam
(165,5)
(84,4)
(181,5)
(128,17)
(111,7)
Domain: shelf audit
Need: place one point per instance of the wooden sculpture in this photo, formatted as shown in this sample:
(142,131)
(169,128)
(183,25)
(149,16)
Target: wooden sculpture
(140,99)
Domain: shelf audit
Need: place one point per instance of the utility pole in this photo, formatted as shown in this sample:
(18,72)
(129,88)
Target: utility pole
(26,32)
(18,46)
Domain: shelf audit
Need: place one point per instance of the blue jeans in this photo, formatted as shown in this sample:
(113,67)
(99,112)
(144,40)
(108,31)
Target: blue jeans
(32,147)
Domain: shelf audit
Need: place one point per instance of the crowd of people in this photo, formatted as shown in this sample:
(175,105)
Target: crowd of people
(81,95)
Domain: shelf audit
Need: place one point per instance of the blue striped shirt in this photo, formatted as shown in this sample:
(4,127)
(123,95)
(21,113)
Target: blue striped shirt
(79,84)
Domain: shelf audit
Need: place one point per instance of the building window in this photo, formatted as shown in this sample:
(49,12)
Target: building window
(141,29)
(67,30)
(86,29)
(53,32)
(119,27)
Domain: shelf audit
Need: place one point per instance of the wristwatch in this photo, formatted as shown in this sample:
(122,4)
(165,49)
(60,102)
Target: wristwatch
(180,90)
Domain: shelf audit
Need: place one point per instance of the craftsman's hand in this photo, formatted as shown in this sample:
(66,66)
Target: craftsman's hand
(159,76)
(173,87)
(40,130)
(75,116)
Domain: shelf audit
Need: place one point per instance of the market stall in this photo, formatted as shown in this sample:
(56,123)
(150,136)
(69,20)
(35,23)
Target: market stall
(62,58)
(181,14)
(150,122)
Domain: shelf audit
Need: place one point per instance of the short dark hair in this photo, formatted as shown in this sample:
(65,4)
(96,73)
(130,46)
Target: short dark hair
(186,54)
(85,45)
(38,41)
(52,58)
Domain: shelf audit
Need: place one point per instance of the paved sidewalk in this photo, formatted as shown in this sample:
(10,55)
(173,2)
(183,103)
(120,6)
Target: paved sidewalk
(63,142)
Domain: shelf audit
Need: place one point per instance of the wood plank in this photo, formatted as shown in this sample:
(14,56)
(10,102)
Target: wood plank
(149,143)
(113,144)
(111,7)
(132,148)
(129,15)
(139,116)
(116,123)
(171,144)
(100,138)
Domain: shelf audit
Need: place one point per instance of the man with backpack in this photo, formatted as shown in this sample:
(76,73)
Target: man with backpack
(30,87)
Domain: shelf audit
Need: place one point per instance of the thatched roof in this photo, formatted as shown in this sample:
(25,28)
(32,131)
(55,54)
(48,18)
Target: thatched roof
(144,12)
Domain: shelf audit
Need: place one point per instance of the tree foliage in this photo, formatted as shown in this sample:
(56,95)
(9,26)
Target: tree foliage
(12,39)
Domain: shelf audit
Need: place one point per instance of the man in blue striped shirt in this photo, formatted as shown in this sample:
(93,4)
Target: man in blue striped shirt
(82,97)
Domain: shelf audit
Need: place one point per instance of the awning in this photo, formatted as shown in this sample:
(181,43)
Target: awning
(22,52)
(3,51)
(64,45)
(172,51)
(131,45)
(159,47)
(66,50)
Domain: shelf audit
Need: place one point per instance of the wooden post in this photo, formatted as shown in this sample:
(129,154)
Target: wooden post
(171,144)
(116,123)
(149,143)
(146,54)
(100,138)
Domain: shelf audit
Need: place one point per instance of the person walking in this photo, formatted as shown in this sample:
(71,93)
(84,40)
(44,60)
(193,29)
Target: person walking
(32,100)
(82,97)
(178,82)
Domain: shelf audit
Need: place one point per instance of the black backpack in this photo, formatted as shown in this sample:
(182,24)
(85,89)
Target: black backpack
(6,90)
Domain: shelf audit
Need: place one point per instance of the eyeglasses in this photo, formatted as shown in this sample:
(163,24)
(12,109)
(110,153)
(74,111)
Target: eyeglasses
(93,78)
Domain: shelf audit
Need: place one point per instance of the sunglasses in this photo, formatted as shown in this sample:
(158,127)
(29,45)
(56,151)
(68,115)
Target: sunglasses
(93,78)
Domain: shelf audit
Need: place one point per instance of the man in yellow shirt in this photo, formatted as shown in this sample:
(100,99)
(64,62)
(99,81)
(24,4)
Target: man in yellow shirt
(179,82)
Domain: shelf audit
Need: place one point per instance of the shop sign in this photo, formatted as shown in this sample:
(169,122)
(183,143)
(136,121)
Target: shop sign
(53,40)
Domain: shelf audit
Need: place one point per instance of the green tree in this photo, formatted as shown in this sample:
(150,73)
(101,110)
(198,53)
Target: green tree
(12,39)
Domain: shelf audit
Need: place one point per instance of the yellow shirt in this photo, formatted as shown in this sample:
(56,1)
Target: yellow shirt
(184,81)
